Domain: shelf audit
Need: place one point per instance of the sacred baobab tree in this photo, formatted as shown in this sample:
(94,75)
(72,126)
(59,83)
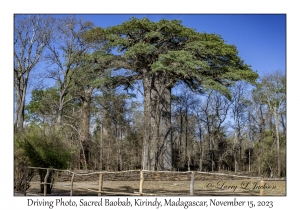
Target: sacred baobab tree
(163,54)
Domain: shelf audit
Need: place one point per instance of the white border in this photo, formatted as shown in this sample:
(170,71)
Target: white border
(154,6)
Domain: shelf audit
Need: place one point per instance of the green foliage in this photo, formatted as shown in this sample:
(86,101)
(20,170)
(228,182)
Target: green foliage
(20,158)
(42,104)
(44,148)
(202,61)
(22,176)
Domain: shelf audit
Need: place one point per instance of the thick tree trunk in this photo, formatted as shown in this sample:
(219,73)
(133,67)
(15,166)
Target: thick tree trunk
(161,117)
(147,121)
(85,126)
(157,143)
(166,130)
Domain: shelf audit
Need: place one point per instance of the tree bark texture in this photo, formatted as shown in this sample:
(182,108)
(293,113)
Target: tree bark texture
(85,125)
(157,142)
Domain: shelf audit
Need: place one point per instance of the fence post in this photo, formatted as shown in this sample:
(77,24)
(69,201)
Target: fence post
(45,181)
(262,182)
(192,183)
(72,181)
(141,181)
(100,184)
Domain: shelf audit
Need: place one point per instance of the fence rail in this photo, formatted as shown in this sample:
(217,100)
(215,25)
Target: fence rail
(100,190)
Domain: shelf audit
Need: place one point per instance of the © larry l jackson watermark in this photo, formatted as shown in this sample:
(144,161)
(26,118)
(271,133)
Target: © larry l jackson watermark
(245,185)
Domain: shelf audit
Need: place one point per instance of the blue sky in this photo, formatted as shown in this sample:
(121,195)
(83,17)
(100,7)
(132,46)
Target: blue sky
(260,39)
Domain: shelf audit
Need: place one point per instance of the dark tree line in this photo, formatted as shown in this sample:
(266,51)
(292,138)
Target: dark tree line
(119,111)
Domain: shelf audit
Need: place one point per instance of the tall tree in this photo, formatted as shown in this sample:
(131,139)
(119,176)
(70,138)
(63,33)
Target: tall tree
(272,92)
(238,110)
(64,61)
(161,54)
(258,114)
(76,73)
(91,75)
(183,105)
(214,112)
(32,33)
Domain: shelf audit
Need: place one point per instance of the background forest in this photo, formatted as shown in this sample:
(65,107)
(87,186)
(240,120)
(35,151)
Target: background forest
(142,95)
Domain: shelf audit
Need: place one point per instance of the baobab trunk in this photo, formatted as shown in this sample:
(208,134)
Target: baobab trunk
(85,127)
(166,131)
(157,143)
(147,121)
(161,118)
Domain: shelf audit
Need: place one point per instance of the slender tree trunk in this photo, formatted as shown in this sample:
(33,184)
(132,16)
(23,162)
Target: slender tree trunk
(186,138)
(212,161)
(201,147)
(60,111)
(60,108)
(180,135)
(201,157)
(101,148)
(21,93)
(201,151)
(278,143)
(235,144)
(212,152)
(249,160)
(283,123)
(121,150)
(20,114)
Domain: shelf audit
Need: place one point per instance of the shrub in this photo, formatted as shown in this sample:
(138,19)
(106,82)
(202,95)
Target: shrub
(44,147)
(22,176)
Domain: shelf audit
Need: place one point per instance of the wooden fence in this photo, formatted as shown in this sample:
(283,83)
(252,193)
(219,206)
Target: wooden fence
(100,190)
